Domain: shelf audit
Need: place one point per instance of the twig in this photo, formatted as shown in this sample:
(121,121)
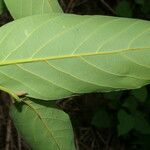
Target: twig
(83,145)
(100,137)
(62,3)
(8,135)
(109,140)
(19,142)
(77,144)
(107,6)
(70,6)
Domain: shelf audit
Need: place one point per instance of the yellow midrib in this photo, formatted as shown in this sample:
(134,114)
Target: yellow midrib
(30,60)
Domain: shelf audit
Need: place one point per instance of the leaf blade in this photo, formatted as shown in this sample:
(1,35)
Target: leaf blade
(43,126)
(65,58)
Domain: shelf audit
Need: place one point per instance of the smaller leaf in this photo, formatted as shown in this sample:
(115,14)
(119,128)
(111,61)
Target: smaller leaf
(114,98)
(43,127)
(146,7)
(1,6)
(126,122)
(131,104)
(113,95)
(102,119)
(140,94)
(123,9)
(141,124)
(135,121)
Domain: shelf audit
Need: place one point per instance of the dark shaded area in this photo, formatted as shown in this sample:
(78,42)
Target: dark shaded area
(95,117)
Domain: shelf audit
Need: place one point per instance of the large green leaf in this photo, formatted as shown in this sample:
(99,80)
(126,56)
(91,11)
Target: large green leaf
(23,8)
(56,56)
(43,127)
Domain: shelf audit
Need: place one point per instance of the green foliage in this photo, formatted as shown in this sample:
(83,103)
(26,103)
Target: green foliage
(124,9)
(145,5)
(130,114)
(42,126)
(23,8)
(140,94)
(115,60)
(135,121)
(141,124)
(53,56)
(126,122)
(1,6)
(131,104)
(113,95)
(102,119)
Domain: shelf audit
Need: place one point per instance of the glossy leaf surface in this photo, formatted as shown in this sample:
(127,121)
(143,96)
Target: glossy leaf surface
(43,127)
(56,56)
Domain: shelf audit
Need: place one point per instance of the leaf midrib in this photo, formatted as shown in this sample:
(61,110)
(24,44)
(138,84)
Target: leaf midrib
(31,60)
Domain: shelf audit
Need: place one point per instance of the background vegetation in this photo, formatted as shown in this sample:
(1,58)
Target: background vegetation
(112,121)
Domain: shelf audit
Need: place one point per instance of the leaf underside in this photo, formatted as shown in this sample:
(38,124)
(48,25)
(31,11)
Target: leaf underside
(43,127)
(60,55)
(23,8)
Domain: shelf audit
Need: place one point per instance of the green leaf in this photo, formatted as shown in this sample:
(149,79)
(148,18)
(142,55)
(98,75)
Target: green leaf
(56,56)
(113,95)
(146,7)
(23,8)
(123,9)
(135,120)
(102,119)
(131,104)
(126,122)
(140,94)
(43,127)
(1,6)
(141,124)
